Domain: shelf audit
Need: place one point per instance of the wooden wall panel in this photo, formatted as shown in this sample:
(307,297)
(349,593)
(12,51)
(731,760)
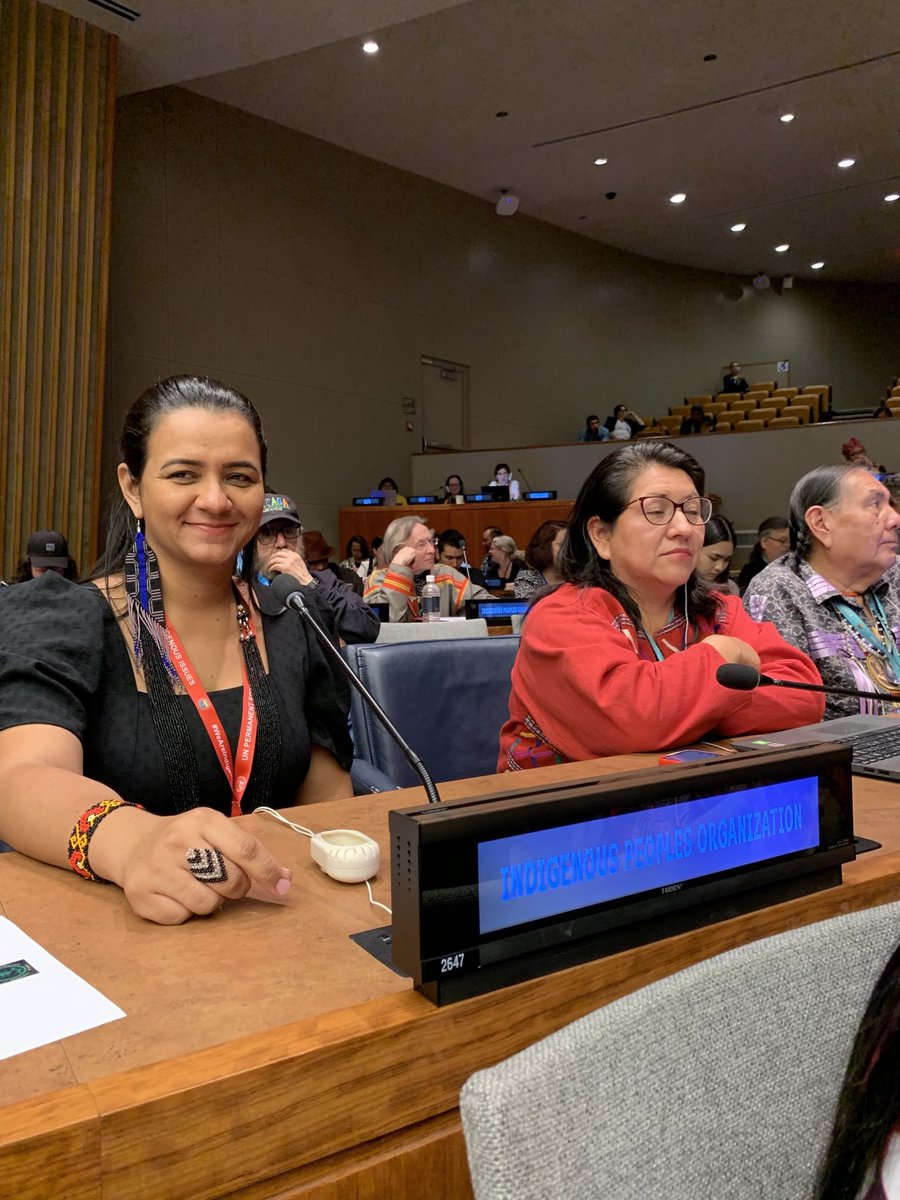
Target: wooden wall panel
(57,104)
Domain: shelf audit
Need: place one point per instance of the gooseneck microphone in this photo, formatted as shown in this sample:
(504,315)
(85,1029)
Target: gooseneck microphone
(742,678)
(524,478)
(288,591)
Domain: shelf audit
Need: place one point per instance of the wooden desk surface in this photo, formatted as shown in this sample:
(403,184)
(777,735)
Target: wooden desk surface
(519,519)
(264,1054)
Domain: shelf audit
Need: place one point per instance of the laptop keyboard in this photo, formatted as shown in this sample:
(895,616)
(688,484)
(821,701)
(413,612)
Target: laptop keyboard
(872,746)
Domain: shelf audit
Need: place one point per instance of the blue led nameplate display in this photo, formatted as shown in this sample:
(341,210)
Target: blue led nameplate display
(500,608)
(528,876)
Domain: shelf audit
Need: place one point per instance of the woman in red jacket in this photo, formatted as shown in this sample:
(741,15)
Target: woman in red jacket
(622,656)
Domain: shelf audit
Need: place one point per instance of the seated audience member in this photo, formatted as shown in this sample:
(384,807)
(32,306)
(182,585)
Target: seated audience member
(503,478)
(112,761)
(505,562)
(454,491)
(410,552)
(487,538)
(593,431)
(623,424)
(862,1161)
(855,452)
(377,553)
(772,540)
(622,657)
(698,421)
(715,558)
(451,552)
(836,596)
(734,380)
(318,558)
(47,550)
(882,411)
(282,547)
(541,554)
(391,492)
(359,557)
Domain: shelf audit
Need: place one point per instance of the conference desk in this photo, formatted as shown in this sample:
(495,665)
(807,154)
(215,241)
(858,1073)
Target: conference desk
(266,1055)
(519,519)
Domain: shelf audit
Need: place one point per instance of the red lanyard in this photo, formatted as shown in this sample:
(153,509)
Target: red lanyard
(210,718)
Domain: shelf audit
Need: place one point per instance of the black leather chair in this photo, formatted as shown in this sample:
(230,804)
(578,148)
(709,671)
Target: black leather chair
(448,699)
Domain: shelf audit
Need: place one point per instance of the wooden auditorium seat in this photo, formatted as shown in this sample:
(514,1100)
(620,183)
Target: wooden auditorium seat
(715,408)
(704,399)
(743,405)
(750,426)
(802,411)
(767,385)
(765,414)
(788,393)
(728,397)
(784,423)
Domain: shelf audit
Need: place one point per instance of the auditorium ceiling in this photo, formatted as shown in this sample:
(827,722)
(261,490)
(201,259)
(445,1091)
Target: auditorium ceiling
(521,97)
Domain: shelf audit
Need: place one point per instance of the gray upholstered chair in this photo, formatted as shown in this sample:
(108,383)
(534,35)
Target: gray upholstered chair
(719,1081)
(447,698)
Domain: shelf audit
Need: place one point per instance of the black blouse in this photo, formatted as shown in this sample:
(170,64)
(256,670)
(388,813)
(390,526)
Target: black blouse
(64,662)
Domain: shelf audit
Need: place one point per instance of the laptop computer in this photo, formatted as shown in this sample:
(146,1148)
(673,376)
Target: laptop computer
(875,742)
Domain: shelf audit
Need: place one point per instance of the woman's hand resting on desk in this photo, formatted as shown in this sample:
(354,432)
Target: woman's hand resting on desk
(733,650)
(146,856)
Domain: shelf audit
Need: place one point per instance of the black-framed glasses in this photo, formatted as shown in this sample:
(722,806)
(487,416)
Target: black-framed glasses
(659,510)
(267,534)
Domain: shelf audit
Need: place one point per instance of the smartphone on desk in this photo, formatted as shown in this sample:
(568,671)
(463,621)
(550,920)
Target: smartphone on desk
(688,756)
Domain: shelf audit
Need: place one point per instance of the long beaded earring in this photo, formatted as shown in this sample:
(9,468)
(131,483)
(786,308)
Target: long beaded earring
(143,593)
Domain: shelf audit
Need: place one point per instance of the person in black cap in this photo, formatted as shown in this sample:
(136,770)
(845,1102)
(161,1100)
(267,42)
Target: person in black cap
(47,550)
(280,549)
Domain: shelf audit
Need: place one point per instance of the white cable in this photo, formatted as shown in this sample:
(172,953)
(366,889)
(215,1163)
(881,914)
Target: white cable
(271,812)
(377,903)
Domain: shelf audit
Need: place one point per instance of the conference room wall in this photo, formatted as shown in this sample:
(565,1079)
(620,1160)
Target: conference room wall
(314,279)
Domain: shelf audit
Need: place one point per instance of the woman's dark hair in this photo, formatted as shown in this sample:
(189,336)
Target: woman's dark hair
(22,572)
(363,546)
(539,551)
(604,494)
(869,1104)
(769,525)
(502,467)
(719,529)
(391,482)
(821,485)
(882,410)
(617,407)
(462,487)
(169,395)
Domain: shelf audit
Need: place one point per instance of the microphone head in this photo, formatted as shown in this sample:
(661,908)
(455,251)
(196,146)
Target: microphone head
(462,545)
(738,676)
(284,586)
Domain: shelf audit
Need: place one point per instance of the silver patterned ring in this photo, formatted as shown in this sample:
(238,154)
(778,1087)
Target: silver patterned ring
(207,865)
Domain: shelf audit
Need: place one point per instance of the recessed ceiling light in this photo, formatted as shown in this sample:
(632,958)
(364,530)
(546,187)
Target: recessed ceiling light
(739,228)
(370,47)
(816,266)
(678,198)
(844,163)
(600,162)
(786,118)
(784,246)
(892,196)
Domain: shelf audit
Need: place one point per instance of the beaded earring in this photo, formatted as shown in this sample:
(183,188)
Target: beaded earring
(143,595)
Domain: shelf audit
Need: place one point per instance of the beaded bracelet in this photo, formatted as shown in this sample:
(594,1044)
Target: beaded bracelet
(85,828)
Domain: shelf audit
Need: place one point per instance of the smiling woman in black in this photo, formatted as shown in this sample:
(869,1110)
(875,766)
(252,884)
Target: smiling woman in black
(140,711)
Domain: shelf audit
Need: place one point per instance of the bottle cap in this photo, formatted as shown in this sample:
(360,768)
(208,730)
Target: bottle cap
(429,579)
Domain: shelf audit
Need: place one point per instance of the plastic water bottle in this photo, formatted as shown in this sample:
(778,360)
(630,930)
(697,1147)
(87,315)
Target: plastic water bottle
(431,600)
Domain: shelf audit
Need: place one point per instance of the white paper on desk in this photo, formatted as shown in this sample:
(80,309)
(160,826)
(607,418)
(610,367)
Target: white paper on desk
(50,1004)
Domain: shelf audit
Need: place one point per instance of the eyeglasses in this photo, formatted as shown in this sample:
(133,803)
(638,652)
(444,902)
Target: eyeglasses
(784,540)
(267,534)
(659,510)
(424,543)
